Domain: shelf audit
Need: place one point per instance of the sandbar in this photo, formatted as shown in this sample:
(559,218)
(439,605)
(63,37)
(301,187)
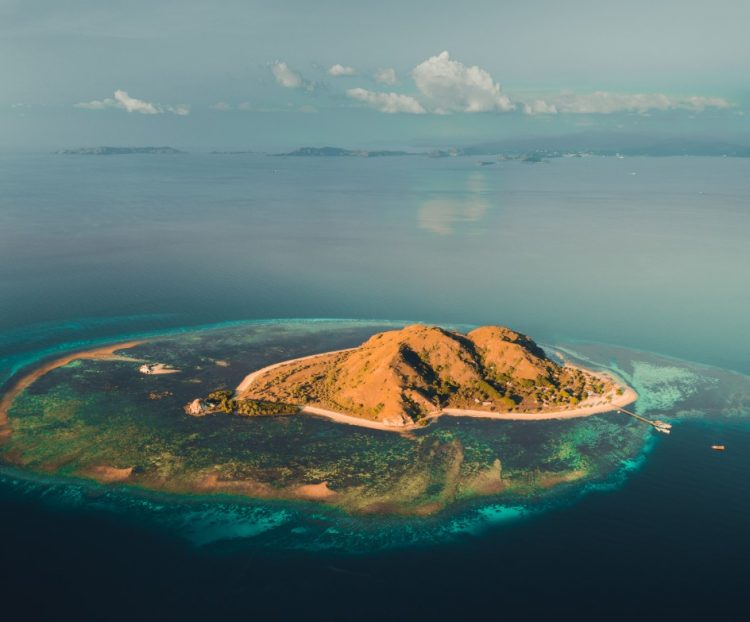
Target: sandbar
(24,382)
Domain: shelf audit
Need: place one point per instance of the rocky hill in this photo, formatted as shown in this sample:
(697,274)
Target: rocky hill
(398,377)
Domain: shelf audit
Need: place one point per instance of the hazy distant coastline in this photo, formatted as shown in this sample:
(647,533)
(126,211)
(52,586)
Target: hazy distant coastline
(120,151)
(540,149)
(530,149)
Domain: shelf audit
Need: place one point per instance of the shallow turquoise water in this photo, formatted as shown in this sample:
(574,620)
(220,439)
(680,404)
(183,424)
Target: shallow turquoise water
(668,389)
(573,252)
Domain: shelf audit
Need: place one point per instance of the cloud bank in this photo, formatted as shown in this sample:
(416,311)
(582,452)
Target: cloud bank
(387,102)
(444,86)
(603,102)
(451,86)
(125,102)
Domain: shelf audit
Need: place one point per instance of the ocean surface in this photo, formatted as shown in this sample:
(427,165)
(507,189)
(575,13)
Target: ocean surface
(650,254)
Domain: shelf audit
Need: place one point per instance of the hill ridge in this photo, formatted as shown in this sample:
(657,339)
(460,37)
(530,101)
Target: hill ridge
(400,377)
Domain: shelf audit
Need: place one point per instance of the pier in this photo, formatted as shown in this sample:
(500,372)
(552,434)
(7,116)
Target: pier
(659,426)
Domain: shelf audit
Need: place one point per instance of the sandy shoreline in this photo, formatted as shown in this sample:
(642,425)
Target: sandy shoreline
(597,406)
(102,353)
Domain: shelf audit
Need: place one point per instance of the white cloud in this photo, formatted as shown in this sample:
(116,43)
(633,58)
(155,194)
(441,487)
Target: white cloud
(181,111)
(221,106)
(286,76)
(699,104)
(385,76)
(387,102)
(246,106)
(125,102)
(451,86)
(539,106)
(603,102)
(340,70)
(97,104)
(131,104)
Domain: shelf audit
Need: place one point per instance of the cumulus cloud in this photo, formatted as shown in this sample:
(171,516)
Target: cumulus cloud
(387,102)
(539,106)
(603,102)
(451,86)
(340,70)
(221,106)
(385,76)
(125,102)
(131,104)
(288,77)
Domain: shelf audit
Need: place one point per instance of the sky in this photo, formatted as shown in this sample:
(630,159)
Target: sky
(275,75)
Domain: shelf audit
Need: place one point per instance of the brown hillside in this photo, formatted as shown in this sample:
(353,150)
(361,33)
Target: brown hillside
(399,376)
(511,353)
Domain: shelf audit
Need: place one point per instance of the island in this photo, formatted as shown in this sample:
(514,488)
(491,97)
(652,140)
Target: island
(339,152)
(371,417)
(400,379)
(121,151)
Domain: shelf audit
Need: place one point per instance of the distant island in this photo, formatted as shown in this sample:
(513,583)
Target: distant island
(402,379)
(531,150)
(537,149)
(120,151)
(338,152)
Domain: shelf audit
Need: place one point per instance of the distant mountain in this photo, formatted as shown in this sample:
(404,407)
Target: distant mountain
(119,151)
(338,152)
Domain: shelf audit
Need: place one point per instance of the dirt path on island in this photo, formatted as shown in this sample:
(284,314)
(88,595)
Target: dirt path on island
(24,382)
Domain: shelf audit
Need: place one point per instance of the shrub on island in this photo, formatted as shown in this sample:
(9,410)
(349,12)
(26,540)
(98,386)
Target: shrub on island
(224,400)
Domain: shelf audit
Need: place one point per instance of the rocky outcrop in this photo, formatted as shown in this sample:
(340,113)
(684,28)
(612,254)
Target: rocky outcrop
(197,408)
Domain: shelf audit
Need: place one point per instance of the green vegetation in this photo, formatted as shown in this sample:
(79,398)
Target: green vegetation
(506,403)
(224,401)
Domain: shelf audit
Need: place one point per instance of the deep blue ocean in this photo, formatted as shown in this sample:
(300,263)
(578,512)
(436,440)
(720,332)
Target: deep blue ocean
(647,253)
